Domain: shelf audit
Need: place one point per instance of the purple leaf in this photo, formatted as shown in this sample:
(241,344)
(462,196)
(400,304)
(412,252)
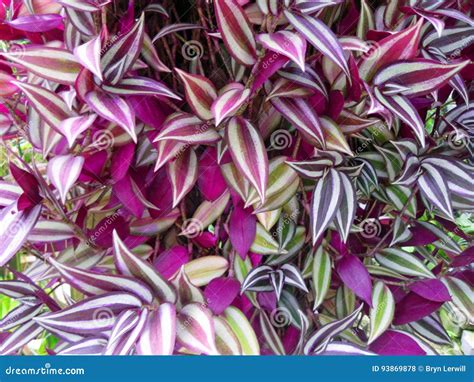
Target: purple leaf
(354,274)
(395,342)
(242,229)
(431,289)
(414,307)
(170,261)
(220,293)
(37,23)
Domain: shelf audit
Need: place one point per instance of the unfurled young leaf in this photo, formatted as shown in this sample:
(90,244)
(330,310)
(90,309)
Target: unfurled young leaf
(236,31)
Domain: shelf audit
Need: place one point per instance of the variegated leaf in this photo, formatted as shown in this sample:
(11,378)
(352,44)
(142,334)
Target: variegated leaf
(114,109)
(236,31)
(318,342)
(159,333)
(54,64)
(326,202)
(302,116)
(14,229)
(321,275)
(229,102)
(91,315)
(402,262)
(320,36)
(417,77)
(187,128)
(195,329)
(131,265)
(96,283)
(287,43)
(200,93)
(381,314)
(63,171)
(243,331)
(226,341)
(183,173)
(204,269)
(248,153)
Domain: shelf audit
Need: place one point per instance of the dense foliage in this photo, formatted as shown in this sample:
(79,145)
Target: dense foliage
(236,177)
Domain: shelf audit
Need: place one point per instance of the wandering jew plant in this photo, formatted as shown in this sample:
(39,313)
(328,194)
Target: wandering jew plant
(236,177)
